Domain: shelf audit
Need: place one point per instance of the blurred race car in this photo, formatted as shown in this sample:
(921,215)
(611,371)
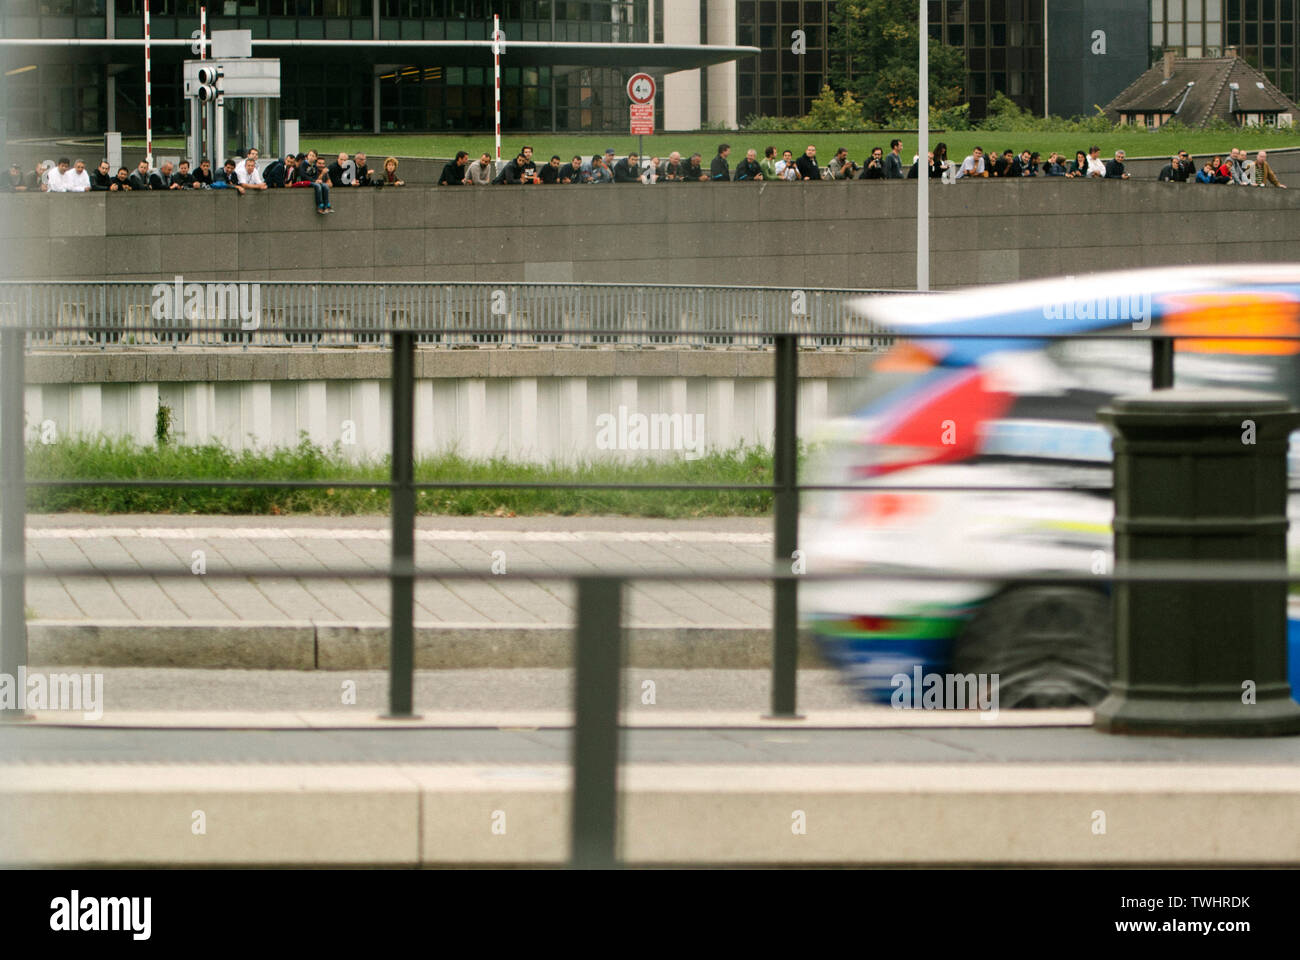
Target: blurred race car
(1014,411)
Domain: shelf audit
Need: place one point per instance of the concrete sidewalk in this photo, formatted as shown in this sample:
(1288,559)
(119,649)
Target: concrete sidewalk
(512,618)
(761,796)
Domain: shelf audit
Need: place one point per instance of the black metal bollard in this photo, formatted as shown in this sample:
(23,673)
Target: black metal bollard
(1200,477)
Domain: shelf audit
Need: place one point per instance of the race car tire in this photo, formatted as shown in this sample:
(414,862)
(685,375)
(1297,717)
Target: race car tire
(1049,646)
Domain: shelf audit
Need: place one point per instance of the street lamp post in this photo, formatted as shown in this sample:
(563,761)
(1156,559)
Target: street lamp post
(923,148)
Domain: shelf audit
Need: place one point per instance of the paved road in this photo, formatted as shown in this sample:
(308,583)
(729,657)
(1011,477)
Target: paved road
(496,689)
(43,745)
(529,547)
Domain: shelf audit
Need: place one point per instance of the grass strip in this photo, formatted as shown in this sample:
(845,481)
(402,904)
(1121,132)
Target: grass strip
(123,459)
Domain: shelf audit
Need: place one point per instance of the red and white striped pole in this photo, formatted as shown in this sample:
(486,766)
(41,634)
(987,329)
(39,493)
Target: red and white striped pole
(496,63)
(203,33)
(148,93)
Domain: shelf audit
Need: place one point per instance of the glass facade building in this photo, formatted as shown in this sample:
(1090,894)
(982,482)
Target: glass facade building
(85,90)
(1263,31)
(779,82)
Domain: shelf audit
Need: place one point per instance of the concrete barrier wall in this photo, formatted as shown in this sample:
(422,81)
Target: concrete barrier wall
(857,234)
(546,405)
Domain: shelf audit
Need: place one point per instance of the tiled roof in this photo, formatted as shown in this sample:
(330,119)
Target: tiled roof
(1209,96)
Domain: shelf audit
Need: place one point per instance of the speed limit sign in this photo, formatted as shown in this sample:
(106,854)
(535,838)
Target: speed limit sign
(641,88)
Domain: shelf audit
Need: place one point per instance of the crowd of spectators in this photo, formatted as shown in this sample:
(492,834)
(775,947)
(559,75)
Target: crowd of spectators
(239,174)
(244,173)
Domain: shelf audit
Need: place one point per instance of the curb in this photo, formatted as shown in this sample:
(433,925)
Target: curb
(310,645)
(443,815)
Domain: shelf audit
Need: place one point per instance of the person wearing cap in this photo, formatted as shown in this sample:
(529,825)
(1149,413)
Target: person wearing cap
(15,182)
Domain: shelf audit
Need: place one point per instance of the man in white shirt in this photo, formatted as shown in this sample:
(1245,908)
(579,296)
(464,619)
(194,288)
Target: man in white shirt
(77,180)
(785,168)
(1096,166)
(972,166)
(56,179)
(250,178)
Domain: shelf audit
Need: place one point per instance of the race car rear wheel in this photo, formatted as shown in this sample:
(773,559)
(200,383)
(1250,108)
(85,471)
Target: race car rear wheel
(1049,646)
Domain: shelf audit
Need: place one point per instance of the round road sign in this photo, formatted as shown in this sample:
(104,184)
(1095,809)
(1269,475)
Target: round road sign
(641,88)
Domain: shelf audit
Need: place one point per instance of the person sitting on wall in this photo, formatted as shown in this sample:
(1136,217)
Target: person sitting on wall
(321,184)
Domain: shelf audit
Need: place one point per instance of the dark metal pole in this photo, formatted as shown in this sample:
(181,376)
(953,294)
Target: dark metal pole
(1200,478)
(13,511)
(599,660)
(1162,363)
(401,650)
(785,598)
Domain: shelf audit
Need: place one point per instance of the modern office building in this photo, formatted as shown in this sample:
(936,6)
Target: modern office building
(1263,31)
(76,67)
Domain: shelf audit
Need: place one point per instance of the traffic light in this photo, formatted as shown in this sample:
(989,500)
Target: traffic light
(209,85)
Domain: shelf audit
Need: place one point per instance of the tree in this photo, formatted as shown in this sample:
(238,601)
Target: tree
(829,114)
(875,57)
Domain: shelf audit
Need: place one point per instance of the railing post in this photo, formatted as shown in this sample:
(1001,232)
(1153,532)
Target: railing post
(1162,363)
(598,655)
(785,597)
(401,645)
(13,511)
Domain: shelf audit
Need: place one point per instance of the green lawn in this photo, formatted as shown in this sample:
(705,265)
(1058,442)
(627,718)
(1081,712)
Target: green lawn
(1137,143)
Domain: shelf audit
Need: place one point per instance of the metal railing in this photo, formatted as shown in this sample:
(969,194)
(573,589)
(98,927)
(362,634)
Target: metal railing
(598,650)
(77,315)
